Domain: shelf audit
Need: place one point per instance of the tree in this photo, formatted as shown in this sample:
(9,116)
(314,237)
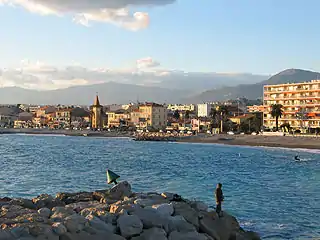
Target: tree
(276,112)
(214,118)
(176,114)
(187,114)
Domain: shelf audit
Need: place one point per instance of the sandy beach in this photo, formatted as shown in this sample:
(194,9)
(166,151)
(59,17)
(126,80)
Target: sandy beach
(259,140)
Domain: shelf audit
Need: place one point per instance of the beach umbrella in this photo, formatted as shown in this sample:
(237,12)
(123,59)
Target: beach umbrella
(112,177)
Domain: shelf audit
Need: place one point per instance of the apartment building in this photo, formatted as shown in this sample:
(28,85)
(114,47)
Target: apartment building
(182,107)
(154,115)
(300,101)
(204,109)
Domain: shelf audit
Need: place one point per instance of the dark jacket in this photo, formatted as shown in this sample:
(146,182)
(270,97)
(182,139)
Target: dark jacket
(219,195)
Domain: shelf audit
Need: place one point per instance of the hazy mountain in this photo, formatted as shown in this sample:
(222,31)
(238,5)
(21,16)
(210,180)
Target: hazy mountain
(253,91)
(108,92)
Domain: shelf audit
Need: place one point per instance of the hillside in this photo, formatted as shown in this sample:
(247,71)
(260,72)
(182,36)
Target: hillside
(108,92)
(253,91)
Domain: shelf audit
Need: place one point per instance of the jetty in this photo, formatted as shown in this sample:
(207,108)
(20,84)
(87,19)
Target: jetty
(116,214)
(159,137)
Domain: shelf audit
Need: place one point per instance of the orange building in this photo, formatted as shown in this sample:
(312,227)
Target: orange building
(300,101)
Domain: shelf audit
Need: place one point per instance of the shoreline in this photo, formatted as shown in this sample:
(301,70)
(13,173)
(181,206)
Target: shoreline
(293,142)
(298,142)
(117,214)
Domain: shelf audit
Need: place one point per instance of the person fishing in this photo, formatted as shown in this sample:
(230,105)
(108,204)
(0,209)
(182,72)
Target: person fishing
(219,199)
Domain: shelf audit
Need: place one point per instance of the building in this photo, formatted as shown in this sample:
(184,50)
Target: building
(241,118)
(204,109)
(182,107)
(300,101)
(119,118)
(8,114)
(153,115)
(255,108)
(96,117)
(62,118)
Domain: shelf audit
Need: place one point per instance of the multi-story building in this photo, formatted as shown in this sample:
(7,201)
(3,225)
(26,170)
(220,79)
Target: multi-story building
(300,101)
(255,108)
(153,115)
(62,118)
(182,107)
(119,118)
(204,109)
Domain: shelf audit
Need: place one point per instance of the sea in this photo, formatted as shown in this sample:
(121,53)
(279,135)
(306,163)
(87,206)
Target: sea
(265,188)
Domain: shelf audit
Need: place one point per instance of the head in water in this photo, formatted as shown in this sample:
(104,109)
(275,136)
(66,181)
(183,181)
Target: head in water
(219,185)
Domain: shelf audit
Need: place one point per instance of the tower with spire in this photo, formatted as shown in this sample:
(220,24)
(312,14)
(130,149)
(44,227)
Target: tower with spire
(97,118)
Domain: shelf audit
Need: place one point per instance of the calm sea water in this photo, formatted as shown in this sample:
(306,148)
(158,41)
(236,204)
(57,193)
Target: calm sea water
(264,188)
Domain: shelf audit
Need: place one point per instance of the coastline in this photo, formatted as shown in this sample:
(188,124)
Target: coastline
(297,142)
(117,214)
(294,142)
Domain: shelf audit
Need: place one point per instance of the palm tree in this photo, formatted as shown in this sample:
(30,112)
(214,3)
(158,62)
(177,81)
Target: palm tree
(176,114)
(276,112)
(187,114)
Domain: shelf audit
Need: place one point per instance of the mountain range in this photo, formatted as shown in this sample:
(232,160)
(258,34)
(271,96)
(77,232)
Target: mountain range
(176,91)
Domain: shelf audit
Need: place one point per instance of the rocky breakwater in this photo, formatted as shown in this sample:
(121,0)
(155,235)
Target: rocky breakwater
(115,214)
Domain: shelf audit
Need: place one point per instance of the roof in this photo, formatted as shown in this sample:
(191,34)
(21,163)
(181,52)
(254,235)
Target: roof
(9,111)
(151,104)
(96,102)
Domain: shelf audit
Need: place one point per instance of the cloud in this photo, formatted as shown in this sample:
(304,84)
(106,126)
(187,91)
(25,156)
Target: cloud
(85,11)
(147,63)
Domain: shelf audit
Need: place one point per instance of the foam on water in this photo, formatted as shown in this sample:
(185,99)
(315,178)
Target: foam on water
(264,187)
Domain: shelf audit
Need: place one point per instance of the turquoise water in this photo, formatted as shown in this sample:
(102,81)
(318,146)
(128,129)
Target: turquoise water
(264,187)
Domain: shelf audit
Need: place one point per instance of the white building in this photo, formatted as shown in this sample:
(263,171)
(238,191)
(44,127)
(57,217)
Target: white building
(204,109)
(182,107)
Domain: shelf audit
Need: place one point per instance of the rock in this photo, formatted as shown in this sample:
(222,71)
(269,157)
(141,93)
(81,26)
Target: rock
(189,214)
(87,236)
(165,209)
(40,229)
(75,223)
(59,228)
(246,236)
(129,225)
(121,190)
(119,206)
(44,212)
(168,195)
(11,214)
(187,236)
(98,195)
(82,205)
(25,203)
(179,224)
(60,213)
(20,231)
(5,235)
(69,198)
(42,200)
(199,206)
(152,234)
(151,218)
(100,225)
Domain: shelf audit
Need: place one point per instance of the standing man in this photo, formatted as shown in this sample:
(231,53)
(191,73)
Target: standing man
(219,198)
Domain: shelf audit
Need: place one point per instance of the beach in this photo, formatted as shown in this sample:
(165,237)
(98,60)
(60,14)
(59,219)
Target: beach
(289,141)
(258,140)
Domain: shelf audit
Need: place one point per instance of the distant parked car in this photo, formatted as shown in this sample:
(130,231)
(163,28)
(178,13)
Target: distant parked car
(230,133)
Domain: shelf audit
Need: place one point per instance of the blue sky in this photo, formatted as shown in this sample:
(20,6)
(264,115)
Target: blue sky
(262,37)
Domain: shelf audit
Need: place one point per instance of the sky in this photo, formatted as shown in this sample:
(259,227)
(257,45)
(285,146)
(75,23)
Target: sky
(224,36)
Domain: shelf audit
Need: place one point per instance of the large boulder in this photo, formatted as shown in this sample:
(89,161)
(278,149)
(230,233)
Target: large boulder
(152,234)
(25,203)
(60,213)
(69,198)
(165,209)
(199,206)
(188,236)
(59,229)
(87,236)
(179,224)
(98,224)
(129,225)
(151,218)
(44,212)
(75,223)
(119,191)
(189,214)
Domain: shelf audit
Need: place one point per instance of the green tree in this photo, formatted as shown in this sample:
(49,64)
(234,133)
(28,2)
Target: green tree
(276,112)
(176,114)
(187,114)
(214,118)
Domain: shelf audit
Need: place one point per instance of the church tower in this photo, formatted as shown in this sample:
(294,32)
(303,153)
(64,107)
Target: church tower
(97,119)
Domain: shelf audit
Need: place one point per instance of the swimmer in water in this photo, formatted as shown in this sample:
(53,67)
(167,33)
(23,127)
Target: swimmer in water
(297,158)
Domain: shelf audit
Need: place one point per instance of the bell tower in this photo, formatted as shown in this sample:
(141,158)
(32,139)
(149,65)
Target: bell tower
(96,121)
